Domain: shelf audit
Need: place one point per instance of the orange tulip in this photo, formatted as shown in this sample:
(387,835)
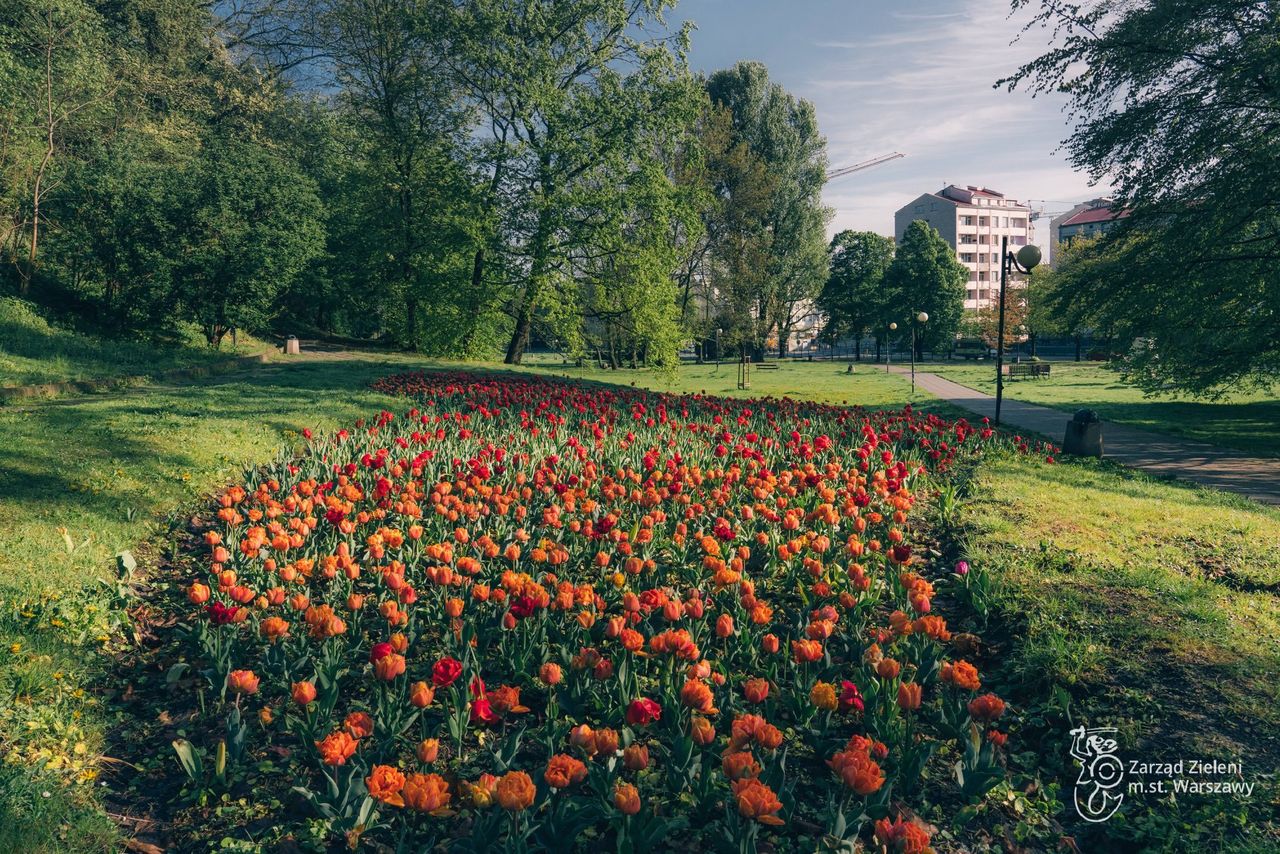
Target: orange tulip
(421,695)
(427,793)
(757,801)
(697,696)
(242,682)
(636,757)
(428,750)
(303,693)
(909,696)
(336,748)
(563,771)
(626,798)
(755,690)
(515,791)
(385,784)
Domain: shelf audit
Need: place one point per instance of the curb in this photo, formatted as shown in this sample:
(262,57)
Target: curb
(15,394)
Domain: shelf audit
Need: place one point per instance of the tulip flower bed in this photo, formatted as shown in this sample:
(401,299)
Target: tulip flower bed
(533,615)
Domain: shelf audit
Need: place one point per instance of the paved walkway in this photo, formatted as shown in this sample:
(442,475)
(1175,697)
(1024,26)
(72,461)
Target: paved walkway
(1222,468)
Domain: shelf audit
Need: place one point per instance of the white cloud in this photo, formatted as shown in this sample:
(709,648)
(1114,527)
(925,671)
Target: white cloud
(925,87)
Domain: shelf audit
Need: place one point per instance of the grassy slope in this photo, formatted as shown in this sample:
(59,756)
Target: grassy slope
(32,351)
(1154,608)
(107,468)
(1249,422)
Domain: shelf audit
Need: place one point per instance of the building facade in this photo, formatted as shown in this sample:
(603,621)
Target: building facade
(1085,220)
(973,220)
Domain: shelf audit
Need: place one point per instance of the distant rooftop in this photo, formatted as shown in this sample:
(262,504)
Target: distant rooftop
(1101,213)
(969,194)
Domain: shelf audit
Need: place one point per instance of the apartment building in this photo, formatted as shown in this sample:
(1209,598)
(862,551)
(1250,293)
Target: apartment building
(973,220)
(1087,219)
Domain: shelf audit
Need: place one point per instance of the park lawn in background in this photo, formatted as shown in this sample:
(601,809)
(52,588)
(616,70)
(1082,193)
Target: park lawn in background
(33,351)
(824,382)
(1137,603)
(1248,422)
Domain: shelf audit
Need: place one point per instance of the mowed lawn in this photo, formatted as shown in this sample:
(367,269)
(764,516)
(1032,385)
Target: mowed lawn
(1149,606)
(1119,597)
(825,382)
(1248,422)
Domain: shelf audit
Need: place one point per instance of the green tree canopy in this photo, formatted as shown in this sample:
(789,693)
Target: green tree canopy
(853,298)
(925,276)
(1191,278)
(773,256)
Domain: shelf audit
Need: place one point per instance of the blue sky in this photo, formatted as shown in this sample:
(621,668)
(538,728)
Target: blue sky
(903,75)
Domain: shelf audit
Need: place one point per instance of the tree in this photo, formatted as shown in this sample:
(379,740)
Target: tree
(563,89)
(1016,312)
(853,299)
(1190,279)
(57,52)
(925,276)
(253,224)
(773,254)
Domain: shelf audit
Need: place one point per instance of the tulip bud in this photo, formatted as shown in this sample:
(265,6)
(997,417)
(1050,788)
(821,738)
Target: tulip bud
(303,693)
(428,750)
(421,695)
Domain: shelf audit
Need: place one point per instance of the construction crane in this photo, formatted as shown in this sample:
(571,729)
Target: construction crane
(866,164)
(1039,213)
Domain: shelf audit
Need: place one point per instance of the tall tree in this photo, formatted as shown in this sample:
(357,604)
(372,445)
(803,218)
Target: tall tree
(783,247)
(562,88)
(925,276)
(853,299)
(1192,274)
(58,54)
(253,222)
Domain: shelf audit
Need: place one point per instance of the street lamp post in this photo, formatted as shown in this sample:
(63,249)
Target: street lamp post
(923,318)
(888,346)
(1026,259)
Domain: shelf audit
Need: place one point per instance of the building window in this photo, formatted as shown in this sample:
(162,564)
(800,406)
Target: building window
(966,257)
(966,220)
(982,222)
(973,275)
(982,275)
(972,294)
(982,238)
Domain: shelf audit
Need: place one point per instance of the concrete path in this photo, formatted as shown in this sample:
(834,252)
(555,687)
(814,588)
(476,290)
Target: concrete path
(1222,468)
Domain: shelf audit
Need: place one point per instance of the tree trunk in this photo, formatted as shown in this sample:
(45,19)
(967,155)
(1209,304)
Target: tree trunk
(857,349)
(1077,348)
(537,271)
(411,321)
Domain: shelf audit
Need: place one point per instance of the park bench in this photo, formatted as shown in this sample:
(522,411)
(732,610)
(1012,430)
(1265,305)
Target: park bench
(766,366)
(1035,370)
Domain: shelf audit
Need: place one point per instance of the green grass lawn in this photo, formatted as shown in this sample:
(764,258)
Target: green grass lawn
(1248,422)
(1130,595)
(825,382)
(34,352)
(1152,607)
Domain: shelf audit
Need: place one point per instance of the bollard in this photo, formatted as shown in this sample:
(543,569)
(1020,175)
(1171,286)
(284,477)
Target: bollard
(1084,435)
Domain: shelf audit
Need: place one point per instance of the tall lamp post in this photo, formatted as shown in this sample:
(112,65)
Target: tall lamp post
(1026,260)
(888,346)
(922,318)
